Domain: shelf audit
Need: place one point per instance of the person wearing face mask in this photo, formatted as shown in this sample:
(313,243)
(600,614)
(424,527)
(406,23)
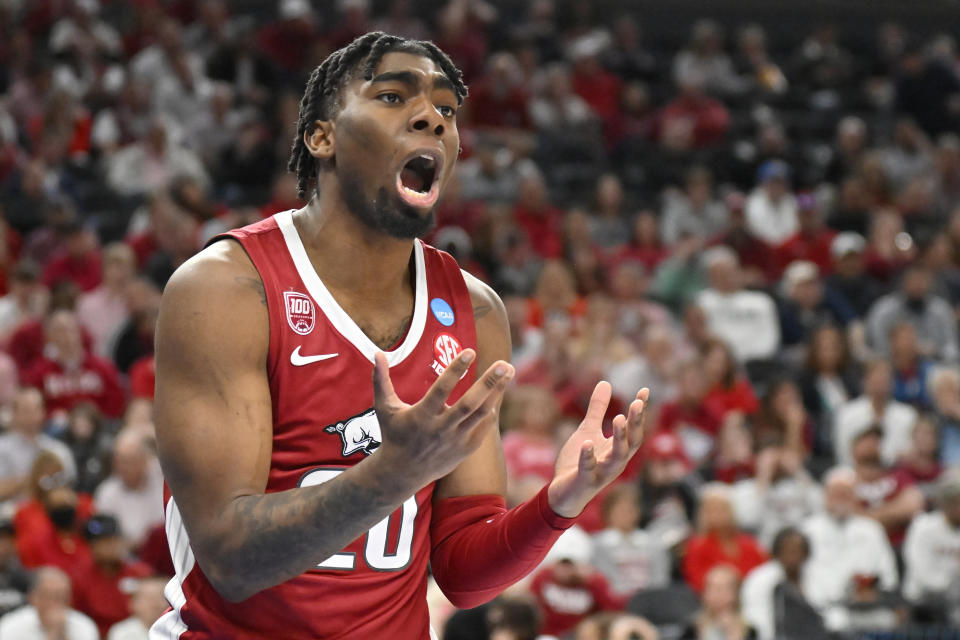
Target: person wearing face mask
(916,304)
(47,526)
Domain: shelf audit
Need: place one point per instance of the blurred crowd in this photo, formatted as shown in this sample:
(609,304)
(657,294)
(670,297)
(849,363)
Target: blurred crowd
(765,232)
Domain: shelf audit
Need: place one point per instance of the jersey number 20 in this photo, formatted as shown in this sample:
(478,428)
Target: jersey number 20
(375,550)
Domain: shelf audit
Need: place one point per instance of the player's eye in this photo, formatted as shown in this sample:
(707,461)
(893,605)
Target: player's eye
(390,98)
(447,111)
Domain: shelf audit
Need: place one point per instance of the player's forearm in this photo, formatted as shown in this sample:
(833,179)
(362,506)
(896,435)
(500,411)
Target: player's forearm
(264,540)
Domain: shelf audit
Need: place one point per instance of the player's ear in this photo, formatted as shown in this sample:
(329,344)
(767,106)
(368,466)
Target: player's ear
(320,140)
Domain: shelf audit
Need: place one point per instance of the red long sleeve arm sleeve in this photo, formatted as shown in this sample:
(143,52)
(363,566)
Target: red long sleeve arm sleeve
(479,548)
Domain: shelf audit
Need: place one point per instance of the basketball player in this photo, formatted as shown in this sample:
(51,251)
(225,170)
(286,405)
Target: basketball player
(305,501)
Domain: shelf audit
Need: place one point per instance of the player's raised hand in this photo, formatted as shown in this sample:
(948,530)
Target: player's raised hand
(589,461)
(430,438)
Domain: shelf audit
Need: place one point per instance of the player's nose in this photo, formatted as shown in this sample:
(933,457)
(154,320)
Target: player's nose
(427,119)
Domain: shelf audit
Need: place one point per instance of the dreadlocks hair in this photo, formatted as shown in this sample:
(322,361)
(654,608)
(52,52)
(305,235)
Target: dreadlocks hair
(320,99)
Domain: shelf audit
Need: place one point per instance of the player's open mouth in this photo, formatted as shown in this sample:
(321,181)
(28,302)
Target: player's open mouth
(419,180)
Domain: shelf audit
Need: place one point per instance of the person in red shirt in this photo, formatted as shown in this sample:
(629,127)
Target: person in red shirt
(68,374)
(693,119)
(728,389)
(46,526)
(719,541)
(499,99)
(105,584)
(598,87)
(79,260)
(529,445)
(689,416)
(888,496)
(813,240)
(542,222)
(568,589)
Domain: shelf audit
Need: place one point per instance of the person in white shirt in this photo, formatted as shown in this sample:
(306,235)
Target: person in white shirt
(630,558)
(875,407)
(147,603)
(843,546)
(49,614)
(22,442)
(758,595)
(104,310)
(745,320)
(931,551)
(133,493)
(771,208)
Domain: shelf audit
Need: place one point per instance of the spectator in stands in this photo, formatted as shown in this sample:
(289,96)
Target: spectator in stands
(813,239)
(783,494)
(909,155)
(946,185)
(849,279)
(558,108)
(14,579)
(718,542)
(885,494)
(782,420)
(22,443)
(924,90)
(693,120)
(850,145)
(728,388)
(25,300)
(875,408)
(499,99)
(103,310)
(133,493)
(70,375)
(568,588)
(610,230)
(49,614)
(915,303)
(102,596)
(931,555)
(807,304)
(151,163)
(638,313)
(756,256)
(945,391)
(692,420)
(48,525)
(844,547)
(771,208)
(147,604)
(79,261)
(694,211)
(669,497)
(827,380)
(90,443)
(704,58)
(745,320)
(910,369)
(628,556)
(720,616)
(772,588)
(921,463)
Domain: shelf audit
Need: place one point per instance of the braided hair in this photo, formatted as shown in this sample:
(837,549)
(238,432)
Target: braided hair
(320,99)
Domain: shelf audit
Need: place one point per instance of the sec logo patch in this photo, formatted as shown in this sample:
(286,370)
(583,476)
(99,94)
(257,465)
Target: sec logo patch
(301,314)
(445,349)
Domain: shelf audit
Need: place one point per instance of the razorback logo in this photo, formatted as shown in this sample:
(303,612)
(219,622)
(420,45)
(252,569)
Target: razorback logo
(359,433)
(445,349)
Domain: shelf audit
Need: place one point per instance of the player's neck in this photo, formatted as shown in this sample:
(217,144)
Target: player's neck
(349,256)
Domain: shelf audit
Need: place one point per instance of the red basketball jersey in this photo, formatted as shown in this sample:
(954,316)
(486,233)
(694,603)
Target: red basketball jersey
(319,367)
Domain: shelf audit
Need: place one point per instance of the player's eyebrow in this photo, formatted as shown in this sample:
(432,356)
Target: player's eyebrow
(412,81)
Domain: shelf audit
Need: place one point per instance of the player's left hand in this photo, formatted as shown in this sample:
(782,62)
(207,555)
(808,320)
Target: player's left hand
(589,461)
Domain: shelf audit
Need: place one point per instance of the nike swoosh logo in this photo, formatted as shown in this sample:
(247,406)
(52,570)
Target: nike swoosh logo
(298,360)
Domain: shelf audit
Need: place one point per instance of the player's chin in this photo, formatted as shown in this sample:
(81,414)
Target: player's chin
(401,220)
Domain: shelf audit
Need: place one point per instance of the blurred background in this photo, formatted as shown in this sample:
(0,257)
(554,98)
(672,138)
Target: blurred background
(753,208)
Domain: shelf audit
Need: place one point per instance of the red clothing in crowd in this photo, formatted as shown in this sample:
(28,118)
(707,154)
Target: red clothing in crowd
(143,375)
(709,118)
(813,247)
(39,544)
(527,456)
(544,229)
(26,344)
(535,311)
(739,397)
(704,552)
(285,42)
(95,380)
(881,491)
(649,256)
(601,90)
(696,426)
(105,597)
(493,104)
(564,606)
(85,271)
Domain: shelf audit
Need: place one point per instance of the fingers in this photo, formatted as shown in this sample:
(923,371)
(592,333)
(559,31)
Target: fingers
(383,392)
(636,416)
(587,465)
(435,399)
(599,401)
(490,386)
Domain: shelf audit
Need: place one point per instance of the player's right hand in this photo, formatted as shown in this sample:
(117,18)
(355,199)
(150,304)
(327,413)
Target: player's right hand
(427,440)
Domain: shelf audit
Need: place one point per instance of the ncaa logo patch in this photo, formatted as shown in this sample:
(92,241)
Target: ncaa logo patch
(442,311)
(301,314)
(445,349)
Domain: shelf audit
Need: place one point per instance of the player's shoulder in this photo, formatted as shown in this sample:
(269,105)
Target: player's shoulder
(482,296)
